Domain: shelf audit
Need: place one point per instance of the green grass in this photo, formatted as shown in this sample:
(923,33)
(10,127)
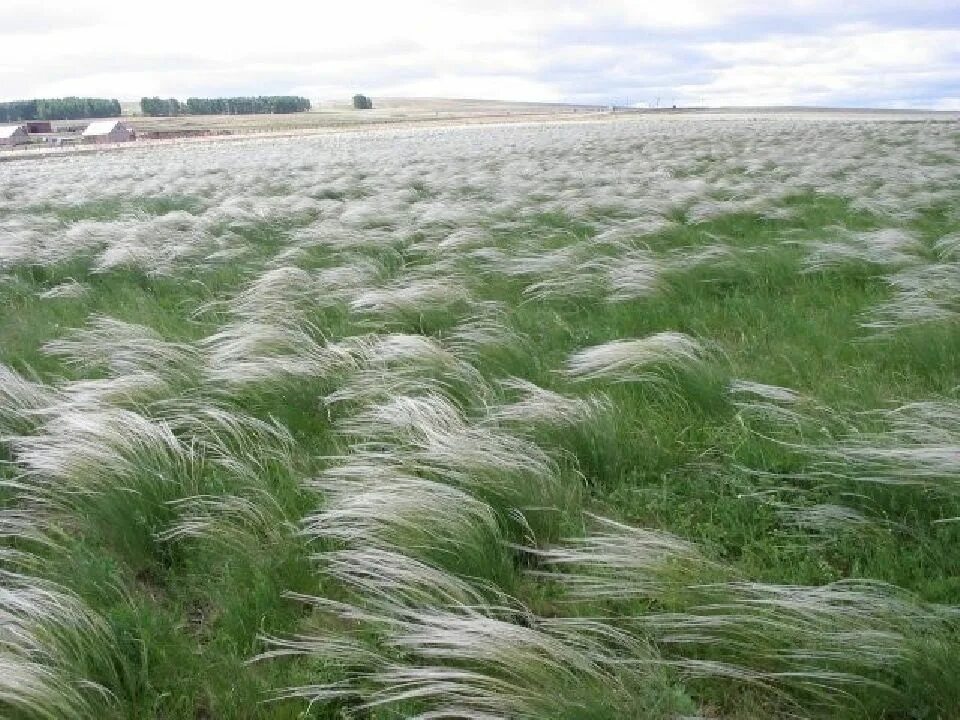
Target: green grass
(188,616)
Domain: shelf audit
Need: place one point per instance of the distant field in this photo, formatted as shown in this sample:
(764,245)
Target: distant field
(386,111)
(650,417)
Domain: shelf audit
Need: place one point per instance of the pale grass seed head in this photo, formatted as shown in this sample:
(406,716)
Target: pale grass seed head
(636,360)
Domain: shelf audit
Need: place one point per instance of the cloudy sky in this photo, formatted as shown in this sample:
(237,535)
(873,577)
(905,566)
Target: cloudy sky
(903,53)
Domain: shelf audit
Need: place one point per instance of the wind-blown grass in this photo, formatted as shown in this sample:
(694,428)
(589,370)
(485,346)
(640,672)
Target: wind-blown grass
(641,417)
(45,634)
(636,360)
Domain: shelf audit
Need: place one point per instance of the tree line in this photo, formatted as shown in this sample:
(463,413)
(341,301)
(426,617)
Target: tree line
(261,104)
(68,108)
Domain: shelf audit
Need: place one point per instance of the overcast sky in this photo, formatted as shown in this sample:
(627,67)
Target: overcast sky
(903,53)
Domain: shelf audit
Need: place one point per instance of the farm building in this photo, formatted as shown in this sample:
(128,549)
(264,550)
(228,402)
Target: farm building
(108,131)
(38,126)
(13,135)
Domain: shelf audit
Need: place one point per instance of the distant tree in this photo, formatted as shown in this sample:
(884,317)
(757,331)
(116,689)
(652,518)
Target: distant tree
(263,104)
(289,104)
(72,108)
(68,108)
(18,110)
(362,102)
(158,107)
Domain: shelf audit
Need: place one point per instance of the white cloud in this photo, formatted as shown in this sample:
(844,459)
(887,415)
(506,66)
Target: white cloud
(947,103)
(828,69)
(736,52)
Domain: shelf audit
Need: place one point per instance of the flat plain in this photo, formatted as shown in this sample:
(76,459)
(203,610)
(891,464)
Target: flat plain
(652,416)
(386,111)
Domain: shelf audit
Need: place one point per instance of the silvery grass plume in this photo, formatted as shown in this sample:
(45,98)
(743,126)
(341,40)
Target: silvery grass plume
(26,239)
(20,529)
(583,278)
(538,406)
(153,245)
(635,275)
(251,523)
(410,296)
(918,445)
(379,384)
(381,505)
(948,247)
(271,339)
(278,295)
(783,414)
(463,662)
(624,235)
(342,282)
(286,257)
(640,274)
(21,401)
(439,215)
(487,329)
(247,448)
(233,440)
(374,212)
(710,208)
(129,391)
(776,409)
(404,417)
(43,241)
(921,446)
(824,518)
(123,349)
(332,234)
(618,562)
(431,432)
(764,392)
(250,210)
(487,261)
(403,364)
(45,636)
(92,449)
(70,288)
(386,580)
(716,255)
(925,294)
(247,353)
(818,644)
(537,263)
(226,255)
(881,248)
(636,360)
(399,348)
(462,238)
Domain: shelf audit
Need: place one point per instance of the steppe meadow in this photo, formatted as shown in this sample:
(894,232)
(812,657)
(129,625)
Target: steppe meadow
(654,416)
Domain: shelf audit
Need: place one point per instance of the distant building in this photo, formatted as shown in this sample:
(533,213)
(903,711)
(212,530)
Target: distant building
(13,135)
(108,131)
(38,126)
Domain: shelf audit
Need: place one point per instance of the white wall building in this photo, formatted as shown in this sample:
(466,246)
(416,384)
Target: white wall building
(13,135)
(108,131)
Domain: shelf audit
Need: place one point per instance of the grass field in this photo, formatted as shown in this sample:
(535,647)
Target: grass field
(648,418)
(386,111)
